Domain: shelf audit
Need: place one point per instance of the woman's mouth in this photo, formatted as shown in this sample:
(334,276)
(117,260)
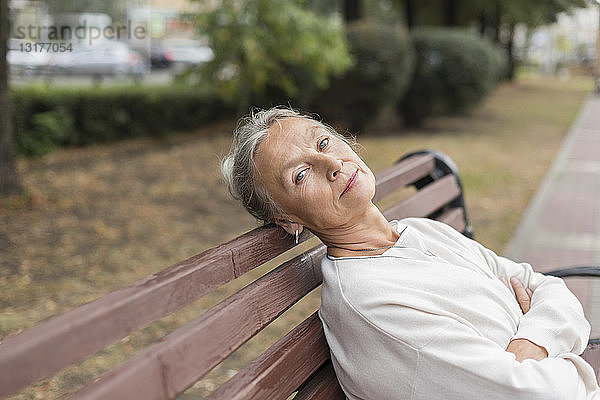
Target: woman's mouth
(351,182)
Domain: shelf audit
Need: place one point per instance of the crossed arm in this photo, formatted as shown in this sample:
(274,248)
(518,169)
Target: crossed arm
(553,317)
(551,333)
(524,349)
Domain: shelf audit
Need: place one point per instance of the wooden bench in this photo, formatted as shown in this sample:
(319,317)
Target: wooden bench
(296,364)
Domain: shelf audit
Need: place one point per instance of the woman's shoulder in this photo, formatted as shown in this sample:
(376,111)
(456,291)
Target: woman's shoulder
(422,223)
(386,292)
(436,233)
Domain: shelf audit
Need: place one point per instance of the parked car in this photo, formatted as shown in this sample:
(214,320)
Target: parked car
(159,56)
(61,62)
(111,58)
(182,51)
(24,58)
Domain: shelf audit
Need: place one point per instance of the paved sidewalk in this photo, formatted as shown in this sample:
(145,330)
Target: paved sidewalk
(561,226)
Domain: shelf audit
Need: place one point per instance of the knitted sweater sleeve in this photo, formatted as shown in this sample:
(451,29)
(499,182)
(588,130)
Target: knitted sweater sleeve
(555,319)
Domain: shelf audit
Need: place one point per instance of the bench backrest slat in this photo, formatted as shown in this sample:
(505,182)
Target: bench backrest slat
(404,173)
(427,200)
(322,386)
(191,351)
(455,217)
(282,368)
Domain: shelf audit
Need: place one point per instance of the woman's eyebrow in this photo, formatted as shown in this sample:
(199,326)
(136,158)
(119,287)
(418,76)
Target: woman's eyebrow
(314,131)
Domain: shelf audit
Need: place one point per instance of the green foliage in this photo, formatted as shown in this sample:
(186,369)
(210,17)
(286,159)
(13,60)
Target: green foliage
(495,12)
(384,61)
(49,130)
(454,71)
(46,117)
(269,50)
(537,13)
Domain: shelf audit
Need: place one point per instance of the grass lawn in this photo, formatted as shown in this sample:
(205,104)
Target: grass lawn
(99,218)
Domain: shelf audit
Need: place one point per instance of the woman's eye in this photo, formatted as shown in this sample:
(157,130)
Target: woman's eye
(323,143)
(300,175)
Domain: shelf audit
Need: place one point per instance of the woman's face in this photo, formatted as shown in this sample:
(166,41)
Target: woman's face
(315,177)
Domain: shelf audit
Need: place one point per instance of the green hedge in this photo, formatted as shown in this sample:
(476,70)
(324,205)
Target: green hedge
(46,117)
(455,69)
(383,65)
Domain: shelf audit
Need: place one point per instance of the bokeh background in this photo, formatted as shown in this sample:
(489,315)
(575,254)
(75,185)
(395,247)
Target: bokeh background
(114,116)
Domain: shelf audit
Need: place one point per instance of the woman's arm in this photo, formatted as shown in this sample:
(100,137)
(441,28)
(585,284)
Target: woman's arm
(464,365)
(555,320)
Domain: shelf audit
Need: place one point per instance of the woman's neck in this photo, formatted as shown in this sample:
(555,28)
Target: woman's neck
(371,231)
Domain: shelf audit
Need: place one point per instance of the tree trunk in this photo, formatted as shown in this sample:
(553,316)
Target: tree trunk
(352,10)
(497,21)
(512,64)
(9,180)
(409,13)
(450,12)
(482,24)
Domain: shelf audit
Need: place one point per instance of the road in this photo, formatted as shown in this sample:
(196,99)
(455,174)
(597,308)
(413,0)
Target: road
(159,76)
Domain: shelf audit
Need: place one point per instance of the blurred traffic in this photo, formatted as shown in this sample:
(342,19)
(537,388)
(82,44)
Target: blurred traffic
(109,59)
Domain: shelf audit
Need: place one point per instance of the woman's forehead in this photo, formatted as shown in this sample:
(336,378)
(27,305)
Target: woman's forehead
(295,126)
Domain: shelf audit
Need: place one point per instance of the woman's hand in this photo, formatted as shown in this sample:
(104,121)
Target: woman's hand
(523,349)
(523,294)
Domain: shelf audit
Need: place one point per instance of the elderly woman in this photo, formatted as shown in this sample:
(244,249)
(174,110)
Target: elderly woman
(410,308)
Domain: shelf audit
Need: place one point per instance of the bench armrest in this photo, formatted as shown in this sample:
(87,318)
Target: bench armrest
(575,271)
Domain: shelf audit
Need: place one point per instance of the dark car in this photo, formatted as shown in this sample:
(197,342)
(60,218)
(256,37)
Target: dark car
(159,56)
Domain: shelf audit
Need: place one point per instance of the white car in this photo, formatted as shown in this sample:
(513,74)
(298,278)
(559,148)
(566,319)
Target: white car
(108,58)
(26,57)
(187,51)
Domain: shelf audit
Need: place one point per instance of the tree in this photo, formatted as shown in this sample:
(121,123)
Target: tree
(9,180)
(496,19)
(518,12)
(263,47)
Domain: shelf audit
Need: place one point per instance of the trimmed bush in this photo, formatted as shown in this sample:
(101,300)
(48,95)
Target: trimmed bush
(454,71)
(383,64)
(47,117)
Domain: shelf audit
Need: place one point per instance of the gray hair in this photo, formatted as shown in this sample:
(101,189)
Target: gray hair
(238,166)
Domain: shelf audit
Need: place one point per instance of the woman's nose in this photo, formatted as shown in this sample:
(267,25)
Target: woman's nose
(334,166)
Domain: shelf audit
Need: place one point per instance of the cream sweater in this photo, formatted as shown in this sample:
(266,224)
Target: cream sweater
(430,319)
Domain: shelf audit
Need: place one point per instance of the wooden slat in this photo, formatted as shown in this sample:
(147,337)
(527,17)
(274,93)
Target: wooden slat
(167,368)
(281,369)
(322,386)
(43,350)
(427,200)
(403,173)
(455,217)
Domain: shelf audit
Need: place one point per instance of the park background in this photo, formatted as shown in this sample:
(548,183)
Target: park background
(109,178)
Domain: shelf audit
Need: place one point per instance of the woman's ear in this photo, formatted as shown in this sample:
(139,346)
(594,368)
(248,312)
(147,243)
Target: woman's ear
(289,226)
